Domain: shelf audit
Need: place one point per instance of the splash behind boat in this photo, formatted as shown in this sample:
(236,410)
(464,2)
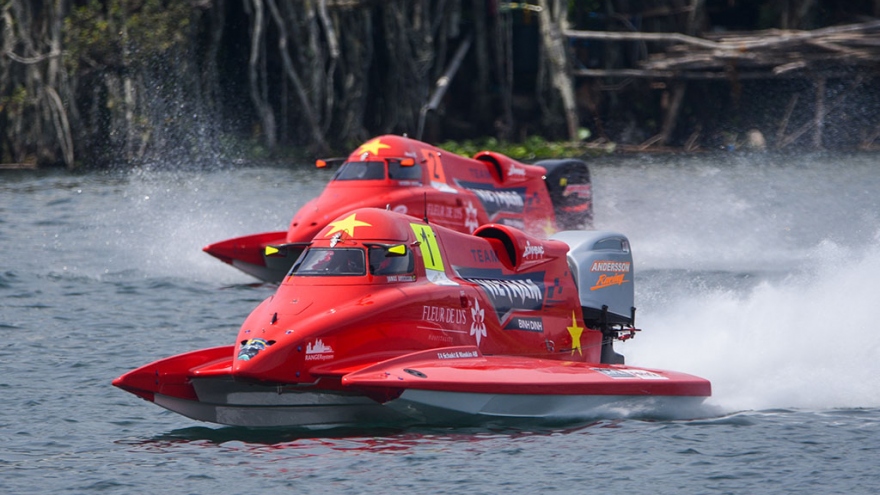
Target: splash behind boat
(386,319)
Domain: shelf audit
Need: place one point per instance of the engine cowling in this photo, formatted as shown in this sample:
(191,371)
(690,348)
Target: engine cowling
(571,191)
(602,265)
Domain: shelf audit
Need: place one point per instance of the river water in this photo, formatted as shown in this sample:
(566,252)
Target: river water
(758,272)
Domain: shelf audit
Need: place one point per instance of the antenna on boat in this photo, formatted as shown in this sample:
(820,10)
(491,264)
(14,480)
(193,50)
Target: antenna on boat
(426,207)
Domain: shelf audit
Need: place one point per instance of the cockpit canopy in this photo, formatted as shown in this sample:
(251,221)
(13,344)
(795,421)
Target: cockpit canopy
(391,259)
(393,169)
(323,262)
(384,259)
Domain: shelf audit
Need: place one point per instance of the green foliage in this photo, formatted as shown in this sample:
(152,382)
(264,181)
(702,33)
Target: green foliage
(533,148)
(121,33)
(12,104)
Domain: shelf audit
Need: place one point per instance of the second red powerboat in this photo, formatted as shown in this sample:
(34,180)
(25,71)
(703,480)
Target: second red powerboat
(417,179)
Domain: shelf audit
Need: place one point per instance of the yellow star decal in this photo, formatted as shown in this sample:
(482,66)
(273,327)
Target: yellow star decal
(372,146)
(575,332)
(346,225)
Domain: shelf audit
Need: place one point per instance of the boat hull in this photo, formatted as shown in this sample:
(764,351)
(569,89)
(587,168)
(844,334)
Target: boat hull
(447,386)
(264,407)
(226,402)
(433,407)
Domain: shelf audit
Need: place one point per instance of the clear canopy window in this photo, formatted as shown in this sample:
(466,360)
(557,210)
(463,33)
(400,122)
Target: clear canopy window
(396,171)
(391,260)
(376,171)
(324,262)
(361,171)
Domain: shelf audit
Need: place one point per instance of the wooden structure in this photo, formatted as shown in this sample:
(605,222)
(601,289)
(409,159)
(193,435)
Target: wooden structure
(773,54)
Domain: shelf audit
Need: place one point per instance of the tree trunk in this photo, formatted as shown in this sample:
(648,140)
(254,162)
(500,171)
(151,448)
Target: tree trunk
(294,78)
(504,70)
(670,118)
(257,83)
(552,27)
(482,57)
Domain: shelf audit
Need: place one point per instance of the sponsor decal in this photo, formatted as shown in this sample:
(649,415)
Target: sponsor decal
(400,209)
(434,210)
(480,173)
(508,293)
(444,187)
(647,375)
(372,146)
(613,373)
(495,201)
(533,252)
(500,200)
(484,256)
(428,246)
(431,257)
(609,281)
(610,266)
(478,327)
(579,190)
(630,374)
(576,333)
(457,354)
(515,171)
(347,225)
(401,278)
(470,219)
(554,289)
(522,294)
(435,171)
(439,314)
(439,278)
(525,324)
(434,164)
(318,351)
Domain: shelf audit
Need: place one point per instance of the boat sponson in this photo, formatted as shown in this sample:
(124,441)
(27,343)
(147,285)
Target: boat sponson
(171,376)
(465,369)
(249,248)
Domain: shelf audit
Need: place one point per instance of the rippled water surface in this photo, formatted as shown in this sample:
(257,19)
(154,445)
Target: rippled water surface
(760,273)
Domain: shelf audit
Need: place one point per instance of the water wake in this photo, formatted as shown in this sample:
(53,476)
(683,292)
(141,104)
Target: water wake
(805,340)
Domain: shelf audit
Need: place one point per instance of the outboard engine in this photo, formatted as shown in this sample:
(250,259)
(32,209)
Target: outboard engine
(601,263)
(568,182)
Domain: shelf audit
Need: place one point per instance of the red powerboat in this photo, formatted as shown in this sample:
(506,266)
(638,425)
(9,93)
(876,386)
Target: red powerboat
(386,319)
(418,179)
